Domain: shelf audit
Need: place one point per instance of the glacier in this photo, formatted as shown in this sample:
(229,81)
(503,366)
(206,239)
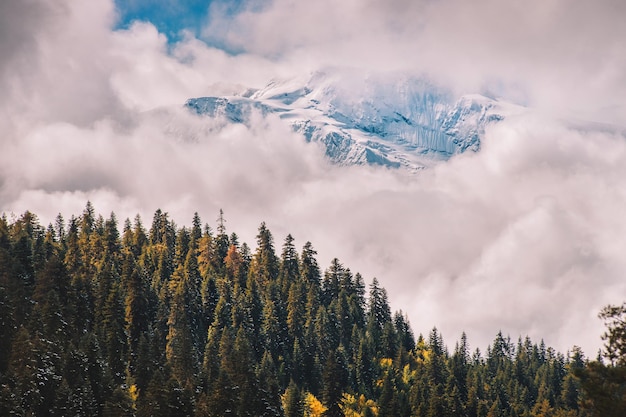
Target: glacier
(401,121)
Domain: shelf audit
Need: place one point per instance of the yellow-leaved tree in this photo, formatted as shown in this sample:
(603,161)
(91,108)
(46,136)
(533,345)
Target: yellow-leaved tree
(358,407)
(312,406)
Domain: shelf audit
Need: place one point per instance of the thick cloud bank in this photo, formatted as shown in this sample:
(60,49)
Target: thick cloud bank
(527,236)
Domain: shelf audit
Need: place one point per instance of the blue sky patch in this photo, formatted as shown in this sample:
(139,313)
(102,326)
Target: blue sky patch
(170,17)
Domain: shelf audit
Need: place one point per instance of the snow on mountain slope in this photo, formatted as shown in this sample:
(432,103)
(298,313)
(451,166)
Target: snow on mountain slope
(398,122)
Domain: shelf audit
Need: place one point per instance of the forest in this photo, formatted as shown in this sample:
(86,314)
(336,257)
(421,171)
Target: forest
(102,320)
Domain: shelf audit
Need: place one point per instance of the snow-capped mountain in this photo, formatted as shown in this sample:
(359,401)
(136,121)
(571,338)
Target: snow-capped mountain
(405,122)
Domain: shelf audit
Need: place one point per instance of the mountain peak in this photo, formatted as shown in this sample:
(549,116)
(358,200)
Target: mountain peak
(398,121)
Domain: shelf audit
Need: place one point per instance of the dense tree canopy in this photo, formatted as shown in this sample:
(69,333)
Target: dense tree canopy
(604,385)
(176,321)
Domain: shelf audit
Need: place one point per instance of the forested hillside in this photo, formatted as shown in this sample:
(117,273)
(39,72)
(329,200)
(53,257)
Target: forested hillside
(102,320)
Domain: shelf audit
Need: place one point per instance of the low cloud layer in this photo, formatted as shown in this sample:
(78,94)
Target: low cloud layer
(527,236)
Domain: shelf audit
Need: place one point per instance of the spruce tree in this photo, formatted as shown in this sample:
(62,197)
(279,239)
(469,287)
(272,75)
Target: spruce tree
(335,379)
(289,271)
(292,401)
(265,264)
(180,352)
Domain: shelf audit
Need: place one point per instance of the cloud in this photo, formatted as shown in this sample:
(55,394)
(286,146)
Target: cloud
(58,65)
(553,54)
(526,236)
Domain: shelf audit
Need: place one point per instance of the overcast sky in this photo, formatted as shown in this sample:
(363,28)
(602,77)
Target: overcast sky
(528,236)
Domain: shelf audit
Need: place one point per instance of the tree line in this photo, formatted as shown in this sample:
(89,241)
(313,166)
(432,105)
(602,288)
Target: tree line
(189,321)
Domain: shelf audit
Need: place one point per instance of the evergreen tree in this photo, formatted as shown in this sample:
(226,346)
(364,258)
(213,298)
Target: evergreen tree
(196,228)
(155,402)
(192,286)
(175,321)
(292,401)
(269,393)
(221,246)
(248,402)
(387,406)
(114,335)
(24,364)
(253,317)
(119,404)
(265,264)
(364,368)
(459,364)
(615,336)
(222,396)
(296,310)
(335,379)
(289,270)
(331,284)
(136,308)
(379,314)
(309,270)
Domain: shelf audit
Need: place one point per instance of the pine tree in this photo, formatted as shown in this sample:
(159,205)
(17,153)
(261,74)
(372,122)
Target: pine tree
(309,269)
(211,362)
(210,297)
(236,274)
(265,264)
(253,317)
(357,302)
(221,246)
(192,286)
(180,352)
(292,401)
(405,336)
(7,325)
(119,404)
(335,379)
(155,402)
(222,399)
(269,393)
(247,399)
(331,284)
(459,364)
(364,369)
(114,335)
(273,329)
(182,247)
(196,228)
(289,270)
(24,364)
(387,405)
(378,315)
(136,308)
(296,310)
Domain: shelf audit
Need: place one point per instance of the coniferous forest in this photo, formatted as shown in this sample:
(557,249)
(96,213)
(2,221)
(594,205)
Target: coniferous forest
(103,319)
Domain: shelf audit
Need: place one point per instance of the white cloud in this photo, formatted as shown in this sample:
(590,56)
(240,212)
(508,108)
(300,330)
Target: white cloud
(526,236)
(561,56)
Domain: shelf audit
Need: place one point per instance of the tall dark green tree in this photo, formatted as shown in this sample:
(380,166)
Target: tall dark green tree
(335,379)
(289,271)
(309,268)
(180,352)
(136,308)
(378,315)
(293,405)
(221,245)
(265,263)
(604,386)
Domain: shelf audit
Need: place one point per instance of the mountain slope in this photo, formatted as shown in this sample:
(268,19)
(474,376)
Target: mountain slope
(402,122)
